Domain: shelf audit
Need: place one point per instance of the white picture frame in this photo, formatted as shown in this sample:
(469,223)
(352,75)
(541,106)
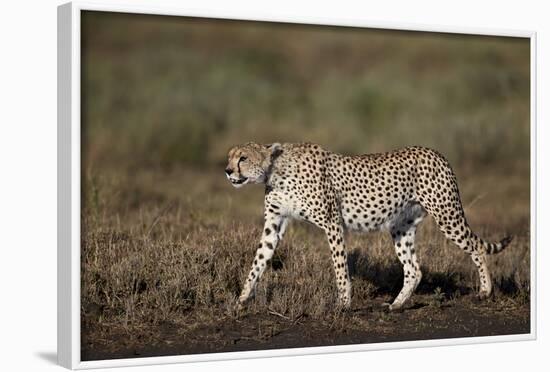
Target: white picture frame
(69,186)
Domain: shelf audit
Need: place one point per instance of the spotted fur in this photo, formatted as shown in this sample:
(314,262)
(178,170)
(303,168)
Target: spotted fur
(391,191)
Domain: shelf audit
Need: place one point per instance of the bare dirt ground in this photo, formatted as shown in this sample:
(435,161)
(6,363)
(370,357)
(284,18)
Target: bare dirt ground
(428,317)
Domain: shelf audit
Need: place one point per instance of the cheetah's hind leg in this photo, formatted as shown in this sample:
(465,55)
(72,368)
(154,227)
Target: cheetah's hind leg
(403,233)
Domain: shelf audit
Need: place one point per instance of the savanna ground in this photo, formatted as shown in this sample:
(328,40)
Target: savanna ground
(167,241)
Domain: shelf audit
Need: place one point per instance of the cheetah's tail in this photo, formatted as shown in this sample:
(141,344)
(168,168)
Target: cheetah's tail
(492,248)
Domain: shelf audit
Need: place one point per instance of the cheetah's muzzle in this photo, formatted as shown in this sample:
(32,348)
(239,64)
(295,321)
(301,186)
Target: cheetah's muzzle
(238,182)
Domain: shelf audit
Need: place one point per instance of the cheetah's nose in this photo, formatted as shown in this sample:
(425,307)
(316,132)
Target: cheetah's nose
(228,171)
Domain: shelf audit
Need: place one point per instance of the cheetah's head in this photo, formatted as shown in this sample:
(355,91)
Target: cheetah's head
(249,163)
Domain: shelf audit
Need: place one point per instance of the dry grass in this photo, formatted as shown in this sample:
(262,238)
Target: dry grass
(182,259)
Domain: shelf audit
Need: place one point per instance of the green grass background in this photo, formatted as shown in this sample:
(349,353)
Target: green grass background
(175,91)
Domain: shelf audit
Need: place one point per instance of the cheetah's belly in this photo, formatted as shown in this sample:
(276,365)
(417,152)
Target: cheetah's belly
(372,215)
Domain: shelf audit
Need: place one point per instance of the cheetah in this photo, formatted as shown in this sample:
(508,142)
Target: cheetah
(391,191)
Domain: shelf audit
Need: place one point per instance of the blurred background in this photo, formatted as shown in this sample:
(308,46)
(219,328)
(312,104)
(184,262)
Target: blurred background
(164,98)
(167,92)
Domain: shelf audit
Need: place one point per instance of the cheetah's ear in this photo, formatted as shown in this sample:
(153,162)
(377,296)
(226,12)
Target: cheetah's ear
(275,148)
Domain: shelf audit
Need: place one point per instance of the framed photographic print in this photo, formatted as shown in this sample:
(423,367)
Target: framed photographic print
(236,186)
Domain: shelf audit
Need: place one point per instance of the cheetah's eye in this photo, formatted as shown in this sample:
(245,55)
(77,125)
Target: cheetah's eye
(242,158)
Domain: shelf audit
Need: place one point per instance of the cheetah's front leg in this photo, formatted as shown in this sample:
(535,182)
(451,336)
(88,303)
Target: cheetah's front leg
(335,236)
(274,228)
